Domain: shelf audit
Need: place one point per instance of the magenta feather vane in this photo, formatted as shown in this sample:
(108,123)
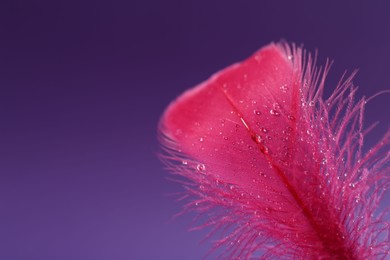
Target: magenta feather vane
(280,171)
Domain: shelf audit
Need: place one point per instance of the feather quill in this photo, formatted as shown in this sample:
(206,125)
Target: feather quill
(278,168)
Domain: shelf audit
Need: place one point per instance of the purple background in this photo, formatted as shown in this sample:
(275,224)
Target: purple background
(83,84)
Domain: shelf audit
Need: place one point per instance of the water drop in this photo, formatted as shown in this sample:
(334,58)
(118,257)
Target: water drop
(264,150)
(311,103)
(226,138)
(201,139)
(284,88)
(184,162)
(201,167)
(264,130)
(258,138)
(291,117)
(276,106)
(274,112)
(257,112)
(357,199)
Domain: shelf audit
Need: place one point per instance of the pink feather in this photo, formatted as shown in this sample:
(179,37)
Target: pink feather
(276,166)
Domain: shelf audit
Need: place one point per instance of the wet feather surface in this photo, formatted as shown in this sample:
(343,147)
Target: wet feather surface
(277,165)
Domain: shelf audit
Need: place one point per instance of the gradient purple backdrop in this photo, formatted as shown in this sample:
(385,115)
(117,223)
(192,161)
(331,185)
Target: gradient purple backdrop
(83,84)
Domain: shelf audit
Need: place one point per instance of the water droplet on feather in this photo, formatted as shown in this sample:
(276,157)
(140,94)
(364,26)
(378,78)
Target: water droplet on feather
(274,112)
(257,112)
(201,167)
(284,88)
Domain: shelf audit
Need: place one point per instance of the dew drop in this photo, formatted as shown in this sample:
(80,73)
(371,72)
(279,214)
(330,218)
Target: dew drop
(264,150)
(290,117)
(258,139)
(184,162)
(201,139)
(257,112)
(311,103)
(276,106)
(357,199)
(226,138)
(264,130)
(274,112)
(284,88)
(201,167)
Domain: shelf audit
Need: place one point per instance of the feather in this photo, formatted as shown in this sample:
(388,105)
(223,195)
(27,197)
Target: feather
(279,170)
